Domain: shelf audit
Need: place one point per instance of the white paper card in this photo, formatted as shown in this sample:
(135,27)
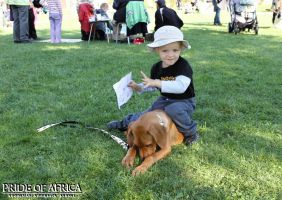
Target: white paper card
(123,92)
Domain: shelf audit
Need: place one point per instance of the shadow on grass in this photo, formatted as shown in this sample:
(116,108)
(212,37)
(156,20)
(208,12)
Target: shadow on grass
(165,180)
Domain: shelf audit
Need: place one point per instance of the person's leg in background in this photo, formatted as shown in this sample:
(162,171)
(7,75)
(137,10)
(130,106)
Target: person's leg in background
(274,16)
(23,20)
(31,22)
(52,28)
(58,28)
(16,25)
(84,35)
(217,16)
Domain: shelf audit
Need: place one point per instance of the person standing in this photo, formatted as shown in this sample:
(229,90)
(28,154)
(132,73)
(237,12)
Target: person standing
(276,8)
(178,4)
(216,9)
(20,16)
(55,17)
(166,16)
(120,7)
(85,11)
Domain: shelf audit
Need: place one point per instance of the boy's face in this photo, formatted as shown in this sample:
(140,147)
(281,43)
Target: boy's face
(169,53)
(105,8)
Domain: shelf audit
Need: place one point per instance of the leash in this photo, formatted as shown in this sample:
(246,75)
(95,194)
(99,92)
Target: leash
(75,124)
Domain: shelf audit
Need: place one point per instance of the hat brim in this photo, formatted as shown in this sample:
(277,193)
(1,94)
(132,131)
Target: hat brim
(157,44)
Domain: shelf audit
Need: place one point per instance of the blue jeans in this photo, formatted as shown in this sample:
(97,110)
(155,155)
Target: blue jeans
(179,110)
(217,16)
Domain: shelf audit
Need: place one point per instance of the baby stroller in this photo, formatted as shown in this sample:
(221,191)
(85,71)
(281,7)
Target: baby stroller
(243,16)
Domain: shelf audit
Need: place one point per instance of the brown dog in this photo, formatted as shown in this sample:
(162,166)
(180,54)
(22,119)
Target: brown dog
(153,129)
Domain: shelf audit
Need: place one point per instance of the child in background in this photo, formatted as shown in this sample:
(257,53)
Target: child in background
(55,17)
(85,11)
(173,77)
(100,26)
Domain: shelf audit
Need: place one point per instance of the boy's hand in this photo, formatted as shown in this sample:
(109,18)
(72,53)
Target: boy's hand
(134,86)
(150,82)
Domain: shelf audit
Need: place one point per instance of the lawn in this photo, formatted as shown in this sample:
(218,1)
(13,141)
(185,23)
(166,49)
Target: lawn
(238,81)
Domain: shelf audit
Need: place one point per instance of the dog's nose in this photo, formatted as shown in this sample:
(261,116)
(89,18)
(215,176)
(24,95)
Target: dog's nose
(141,157)
(141,160)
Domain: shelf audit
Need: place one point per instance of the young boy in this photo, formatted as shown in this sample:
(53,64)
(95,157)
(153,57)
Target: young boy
(172,76)
(101,28)
(85,11)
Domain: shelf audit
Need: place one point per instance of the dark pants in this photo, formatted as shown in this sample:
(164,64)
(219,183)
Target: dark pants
(20,27)
(100,35)
(31,19)
(119,15)
(85,35)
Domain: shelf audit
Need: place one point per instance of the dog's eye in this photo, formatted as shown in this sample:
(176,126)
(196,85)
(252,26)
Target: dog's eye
(148,145)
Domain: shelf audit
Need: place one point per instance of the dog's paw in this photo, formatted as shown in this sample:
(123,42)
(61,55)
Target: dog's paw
(127,161)
(139,170)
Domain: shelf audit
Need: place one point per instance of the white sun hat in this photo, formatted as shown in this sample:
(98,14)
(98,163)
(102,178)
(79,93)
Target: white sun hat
(166,35)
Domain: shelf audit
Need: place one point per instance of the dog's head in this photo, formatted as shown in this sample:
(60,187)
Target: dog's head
(146,137)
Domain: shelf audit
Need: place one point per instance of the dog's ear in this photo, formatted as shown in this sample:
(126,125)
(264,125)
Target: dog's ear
(160,135)
(129,135)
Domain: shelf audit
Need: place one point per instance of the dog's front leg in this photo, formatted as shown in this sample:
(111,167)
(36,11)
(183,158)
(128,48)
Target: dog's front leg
(128,159)
(150,160)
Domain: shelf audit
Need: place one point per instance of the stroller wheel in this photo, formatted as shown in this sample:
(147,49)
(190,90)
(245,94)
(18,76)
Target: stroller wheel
(256,30)
(236,28)
(230,28)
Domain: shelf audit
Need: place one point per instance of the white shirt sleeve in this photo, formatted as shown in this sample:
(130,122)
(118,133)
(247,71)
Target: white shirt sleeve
(178,86)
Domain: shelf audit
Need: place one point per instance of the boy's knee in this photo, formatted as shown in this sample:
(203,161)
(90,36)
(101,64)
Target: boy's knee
(178,109)
(173,110)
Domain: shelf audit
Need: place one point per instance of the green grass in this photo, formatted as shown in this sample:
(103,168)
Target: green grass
(238,80)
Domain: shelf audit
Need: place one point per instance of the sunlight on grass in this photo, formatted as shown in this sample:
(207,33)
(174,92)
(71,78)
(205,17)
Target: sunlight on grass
(65,48)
